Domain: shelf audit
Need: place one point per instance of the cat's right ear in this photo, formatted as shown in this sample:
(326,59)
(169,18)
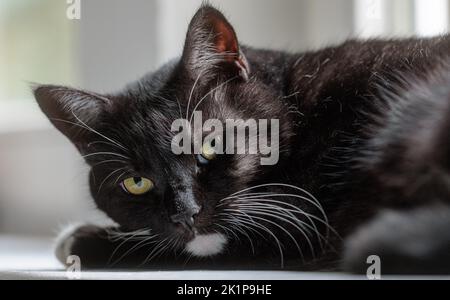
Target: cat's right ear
(212,49)
(71,111)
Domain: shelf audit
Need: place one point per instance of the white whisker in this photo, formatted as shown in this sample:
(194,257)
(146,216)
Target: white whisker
(155,251)
(296,209)
(207,94)
(251,214)
(145,241)
(252,222)
(191,93)
(312,198)
(110,161)
(105,153)
(238,226)
(281,217)
(106,178)
(102,135)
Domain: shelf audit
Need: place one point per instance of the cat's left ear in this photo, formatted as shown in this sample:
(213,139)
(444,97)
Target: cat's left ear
(73,112)
(212,48)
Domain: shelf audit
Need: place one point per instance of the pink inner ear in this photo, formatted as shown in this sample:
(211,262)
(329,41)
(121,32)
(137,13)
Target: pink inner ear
(225,40)
(219,34)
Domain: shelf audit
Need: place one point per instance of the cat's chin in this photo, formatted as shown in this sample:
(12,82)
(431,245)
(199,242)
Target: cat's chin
(204,245)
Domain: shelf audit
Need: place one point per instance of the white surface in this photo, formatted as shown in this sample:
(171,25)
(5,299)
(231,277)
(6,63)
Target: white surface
(32,258)
(26,253)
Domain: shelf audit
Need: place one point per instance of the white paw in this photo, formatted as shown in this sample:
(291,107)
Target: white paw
(64,242)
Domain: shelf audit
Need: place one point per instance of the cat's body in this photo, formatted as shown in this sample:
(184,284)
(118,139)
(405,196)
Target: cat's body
(364,128)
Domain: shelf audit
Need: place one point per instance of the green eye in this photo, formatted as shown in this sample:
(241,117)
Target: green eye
(137,185)
(208,150)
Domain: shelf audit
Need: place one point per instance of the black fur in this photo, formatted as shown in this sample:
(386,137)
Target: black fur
(363,127)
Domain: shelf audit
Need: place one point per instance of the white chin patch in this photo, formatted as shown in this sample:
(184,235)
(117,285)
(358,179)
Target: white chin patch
(206,244)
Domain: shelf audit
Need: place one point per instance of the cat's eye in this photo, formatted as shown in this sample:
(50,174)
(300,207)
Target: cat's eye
(208,152)
(137,185)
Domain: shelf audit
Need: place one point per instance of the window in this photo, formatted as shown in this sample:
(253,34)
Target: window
(36,44)
(431,17)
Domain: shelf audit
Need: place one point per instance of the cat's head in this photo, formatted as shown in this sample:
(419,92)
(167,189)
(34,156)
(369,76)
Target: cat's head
(126,138)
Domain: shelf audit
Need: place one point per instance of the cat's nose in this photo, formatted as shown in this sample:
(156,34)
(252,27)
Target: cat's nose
(186,218)
(183,220)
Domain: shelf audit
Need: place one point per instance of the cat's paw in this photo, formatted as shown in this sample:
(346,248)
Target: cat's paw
(70,241)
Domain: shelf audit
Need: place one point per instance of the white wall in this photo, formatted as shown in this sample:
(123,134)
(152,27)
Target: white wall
(284,25)
(436,10)
(121,40)
(116,42)
(42,182)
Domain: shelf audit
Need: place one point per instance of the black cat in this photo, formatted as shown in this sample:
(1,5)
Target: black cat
(364,165)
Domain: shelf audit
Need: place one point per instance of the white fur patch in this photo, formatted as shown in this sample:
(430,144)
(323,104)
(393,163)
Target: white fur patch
(64,242)
(206,244)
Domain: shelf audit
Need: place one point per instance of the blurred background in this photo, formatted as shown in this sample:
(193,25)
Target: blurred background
(43,181)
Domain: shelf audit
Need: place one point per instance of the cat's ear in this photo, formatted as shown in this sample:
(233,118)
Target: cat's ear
(71,111)
(212,48)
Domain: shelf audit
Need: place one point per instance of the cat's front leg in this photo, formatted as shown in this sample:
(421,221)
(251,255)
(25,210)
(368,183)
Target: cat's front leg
(109,248)
(89,242)
(100,248)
